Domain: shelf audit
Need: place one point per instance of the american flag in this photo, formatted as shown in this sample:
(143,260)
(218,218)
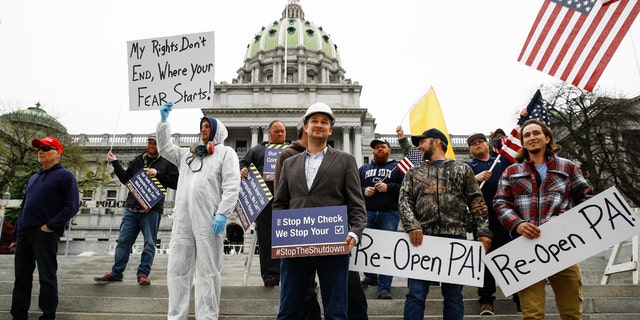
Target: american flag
(535,110)
(574,40)
(411,159)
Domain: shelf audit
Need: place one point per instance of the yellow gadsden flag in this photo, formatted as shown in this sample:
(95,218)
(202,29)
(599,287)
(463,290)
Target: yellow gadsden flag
(426,114)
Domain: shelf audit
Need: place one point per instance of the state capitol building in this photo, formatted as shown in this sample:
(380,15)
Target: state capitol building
(266,88)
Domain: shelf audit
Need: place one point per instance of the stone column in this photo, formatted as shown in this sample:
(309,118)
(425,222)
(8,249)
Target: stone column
(254,136)
(357,152)
(265,134)
(346,144)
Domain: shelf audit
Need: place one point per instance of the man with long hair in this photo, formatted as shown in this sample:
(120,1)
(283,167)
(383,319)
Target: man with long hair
(530,193)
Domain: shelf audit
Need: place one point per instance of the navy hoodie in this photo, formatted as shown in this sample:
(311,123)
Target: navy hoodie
(52,198)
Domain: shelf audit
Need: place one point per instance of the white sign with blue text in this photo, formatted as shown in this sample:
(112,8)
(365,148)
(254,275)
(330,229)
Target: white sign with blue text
(437,259)
(587,229)
(254,196)
(178,69)
(144,190)
(305,232)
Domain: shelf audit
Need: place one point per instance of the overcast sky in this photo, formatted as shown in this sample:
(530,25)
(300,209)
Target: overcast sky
(71,56)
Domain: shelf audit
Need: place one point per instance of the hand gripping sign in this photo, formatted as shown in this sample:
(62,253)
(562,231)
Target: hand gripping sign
(584,231)
(146,190)
(253,197)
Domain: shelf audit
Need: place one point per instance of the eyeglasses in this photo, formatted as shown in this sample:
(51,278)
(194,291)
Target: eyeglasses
(46,148)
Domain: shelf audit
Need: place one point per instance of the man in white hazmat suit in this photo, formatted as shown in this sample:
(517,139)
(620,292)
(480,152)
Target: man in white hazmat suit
(208,187)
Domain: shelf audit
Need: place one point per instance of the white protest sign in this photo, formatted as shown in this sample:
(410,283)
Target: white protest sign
(437,259)
(179,69)
(584,231)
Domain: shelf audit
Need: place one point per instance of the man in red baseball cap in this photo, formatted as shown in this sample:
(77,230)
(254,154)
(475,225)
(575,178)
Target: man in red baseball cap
(50,201)
(48,141)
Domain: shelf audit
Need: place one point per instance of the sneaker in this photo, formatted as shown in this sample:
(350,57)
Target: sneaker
(366,283)
(486,309)
(385,296)
(143,280)
(271,282)
(107,278)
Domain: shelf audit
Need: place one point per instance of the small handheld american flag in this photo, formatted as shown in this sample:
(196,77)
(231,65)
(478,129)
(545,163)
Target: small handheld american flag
(411,159)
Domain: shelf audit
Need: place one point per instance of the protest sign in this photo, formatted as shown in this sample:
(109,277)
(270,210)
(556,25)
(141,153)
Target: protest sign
(306,232)
(437,259)
(147,191)
(179,69)
(587,229)
(253,197)
(271,153)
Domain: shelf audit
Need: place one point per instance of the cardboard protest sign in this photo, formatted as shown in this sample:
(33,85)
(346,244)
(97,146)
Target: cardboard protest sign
(306,232)
(179,69)
(254,196)
(584,231)
(146,190)
(437,259)
(271,153)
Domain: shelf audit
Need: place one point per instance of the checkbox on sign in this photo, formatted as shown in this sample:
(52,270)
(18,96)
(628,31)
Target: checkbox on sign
(339,229)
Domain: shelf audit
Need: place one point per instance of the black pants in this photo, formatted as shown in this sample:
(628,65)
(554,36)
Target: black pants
(33,247)
(269,268)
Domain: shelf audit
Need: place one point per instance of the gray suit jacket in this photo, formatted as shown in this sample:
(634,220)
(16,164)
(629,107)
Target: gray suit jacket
(336,183)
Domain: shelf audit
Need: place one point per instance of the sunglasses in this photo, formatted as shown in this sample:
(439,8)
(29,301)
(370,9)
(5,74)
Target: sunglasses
(46,148)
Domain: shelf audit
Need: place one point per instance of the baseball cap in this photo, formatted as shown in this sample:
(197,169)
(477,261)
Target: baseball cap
(376,142)
(474,137)
(431,133)
(498,131)
(152,137)
(47,141)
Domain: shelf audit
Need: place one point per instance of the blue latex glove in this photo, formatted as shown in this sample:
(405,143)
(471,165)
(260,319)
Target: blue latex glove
(219,222)
(164,111)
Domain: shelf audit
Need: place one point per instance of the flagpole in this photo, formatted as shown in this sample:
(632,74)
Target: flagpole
(635,53)
(116,128)
(388,174)
(493,165)
(286,40)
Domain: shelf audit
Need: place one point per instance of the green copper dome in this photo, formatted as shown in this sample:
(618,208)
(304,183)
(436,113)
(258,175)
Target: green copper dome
(35,116)
(296,31)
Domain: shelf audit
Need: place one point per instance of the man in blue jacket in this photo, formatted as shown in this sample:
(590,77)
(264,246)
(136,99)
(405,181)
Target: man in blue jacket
(380,183)
(51,200)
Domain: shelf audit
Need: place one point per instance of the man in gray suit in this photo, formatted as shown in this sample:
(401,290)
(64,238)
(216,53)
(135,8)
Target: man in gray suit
(318,177)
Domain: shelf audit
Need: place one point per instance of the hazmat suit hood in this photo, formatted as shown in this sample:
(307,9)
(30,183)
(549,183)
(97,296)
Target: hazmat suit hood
(218,131)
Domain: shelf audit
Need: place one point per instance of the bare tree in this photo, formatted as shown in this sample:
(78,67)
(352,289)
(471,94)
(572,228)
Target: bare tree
(601,133)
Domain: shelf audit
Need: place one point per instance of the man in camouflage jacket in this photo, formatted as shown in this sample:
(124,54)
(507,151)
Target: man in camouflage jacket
(439,198)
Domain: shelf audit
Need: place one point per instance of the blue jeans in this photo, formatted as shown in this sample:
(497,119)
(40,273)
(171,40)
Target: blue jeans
(41,248)
(295,279)
(414,304)
(132,223)
(382,220)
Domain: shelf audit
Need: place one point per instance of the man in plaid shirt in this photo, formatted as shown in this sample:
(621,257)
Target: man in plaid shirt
(533,191)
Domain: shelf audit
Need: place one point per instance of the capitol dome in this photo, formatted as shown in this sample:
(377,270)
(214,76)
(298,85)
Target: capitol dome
(35,117)
(311,55)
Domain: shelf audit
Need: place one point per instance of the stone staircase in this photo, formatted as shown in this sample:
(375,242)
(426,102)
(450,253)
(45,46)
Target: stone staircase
(81,298)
